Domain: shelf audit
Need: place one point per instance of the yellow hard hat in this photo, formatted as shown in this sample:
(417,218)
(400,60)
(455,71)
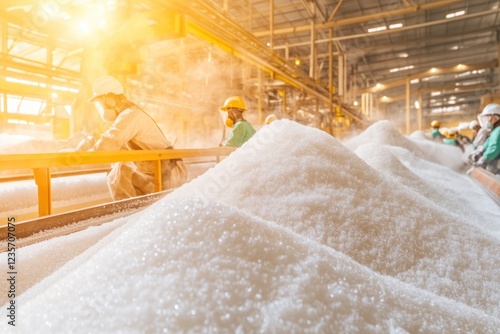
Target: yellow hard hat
(234,102)
(435,124)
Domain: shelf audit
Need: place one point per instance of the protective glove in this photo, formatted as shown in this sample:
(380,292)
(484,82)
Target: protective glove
(475,156)
(86,144)
(481,162)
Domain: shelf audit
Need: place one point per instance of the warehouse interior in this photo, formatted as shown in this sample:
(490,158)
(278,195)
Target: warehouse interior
(335,65)
(344,216)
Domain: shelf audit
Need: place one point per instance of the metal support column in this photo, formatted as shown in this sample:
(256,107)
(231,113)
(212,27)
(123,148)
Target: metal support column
(420,118)
(158,176)
(4,49)
(330,69)
(259,97)
(284,103)
(271,23)
(341,74)
(312,63)
(498,52)
(407,106)
(42,180)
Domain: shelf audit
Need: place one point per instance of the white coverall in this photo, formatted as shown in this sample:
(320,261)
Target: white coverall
(134,129)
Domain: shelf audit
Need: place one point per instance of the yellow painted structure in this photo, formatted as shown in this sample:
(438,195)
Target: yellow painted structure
(41,163)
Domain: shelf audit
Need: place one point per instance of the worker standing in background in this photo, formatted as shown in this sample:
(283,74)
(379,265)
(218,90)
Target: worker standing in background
(131,129)
(435,133)
(490,153)
(462,139)
(480,134)
(241,130)
(270,118)
(451,138)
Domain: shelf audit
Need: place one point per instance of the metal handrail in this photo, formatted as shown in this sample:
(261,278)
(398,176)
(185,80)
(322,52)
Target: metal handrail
(41,163)
(24,177)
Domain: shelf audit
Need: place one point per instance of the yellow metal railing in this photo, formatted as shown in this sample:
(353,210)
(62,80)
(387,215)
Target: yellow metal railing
(41,163)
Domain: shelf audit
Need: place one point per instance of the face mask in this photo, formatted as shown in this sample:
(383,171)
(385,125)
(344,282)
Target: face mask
(229,122)
(489,125)
(226,119)
(107,115)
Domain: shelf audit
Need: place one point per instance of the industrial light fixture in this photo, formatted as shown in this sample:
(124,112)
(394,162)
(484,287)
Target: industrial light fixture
(455,14)
(472,82)
(404,68)
(381,28)
(395,25)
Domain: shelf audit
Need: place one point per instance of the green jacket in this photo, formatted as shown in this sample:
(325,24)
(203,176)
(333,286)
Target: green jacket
(492,145)
(436,134)
(451,141)
(240,133)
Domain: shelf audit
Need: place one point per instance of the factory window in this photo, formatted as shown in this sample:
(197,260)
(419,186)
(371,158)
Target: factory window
(24,105)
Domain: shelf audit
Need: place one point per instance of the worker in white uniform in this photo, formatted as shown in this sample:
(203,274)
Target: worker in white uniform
(131,129)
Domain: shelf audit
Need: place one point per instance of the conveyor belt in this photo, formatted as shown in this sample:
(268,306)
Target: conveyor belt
(78,219)
(488,181)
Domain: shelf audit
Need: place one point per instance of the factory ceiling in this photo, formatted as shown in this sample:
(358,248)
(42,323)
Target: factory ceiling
(438,56)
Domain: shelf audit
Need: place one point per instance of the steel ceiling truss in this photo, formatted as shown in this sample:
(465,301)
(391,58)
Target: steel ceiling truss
(208,22)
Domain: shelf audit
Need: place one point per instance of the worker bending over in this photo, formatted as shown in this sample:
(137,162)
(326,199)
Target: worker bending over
(489,155)
(131,129)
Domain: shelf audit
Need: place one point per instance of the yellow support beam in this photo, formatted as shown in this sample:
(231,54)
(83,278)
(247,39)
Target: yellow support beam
(48,160)
(42,179)
(158,181)
(41,163)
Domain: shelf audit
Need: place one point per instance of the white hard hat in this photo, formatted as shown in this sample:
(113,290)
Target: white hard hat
(491,109)
(106,84)
(270,118)
(473,124)
(452,131)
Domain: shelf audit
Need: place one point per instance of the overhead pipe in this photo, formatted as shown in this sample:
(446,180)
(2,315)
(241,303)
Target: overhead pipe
(412,27)
(208,23)
(415,26)
(361,19)
(335,10)
(287,78)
